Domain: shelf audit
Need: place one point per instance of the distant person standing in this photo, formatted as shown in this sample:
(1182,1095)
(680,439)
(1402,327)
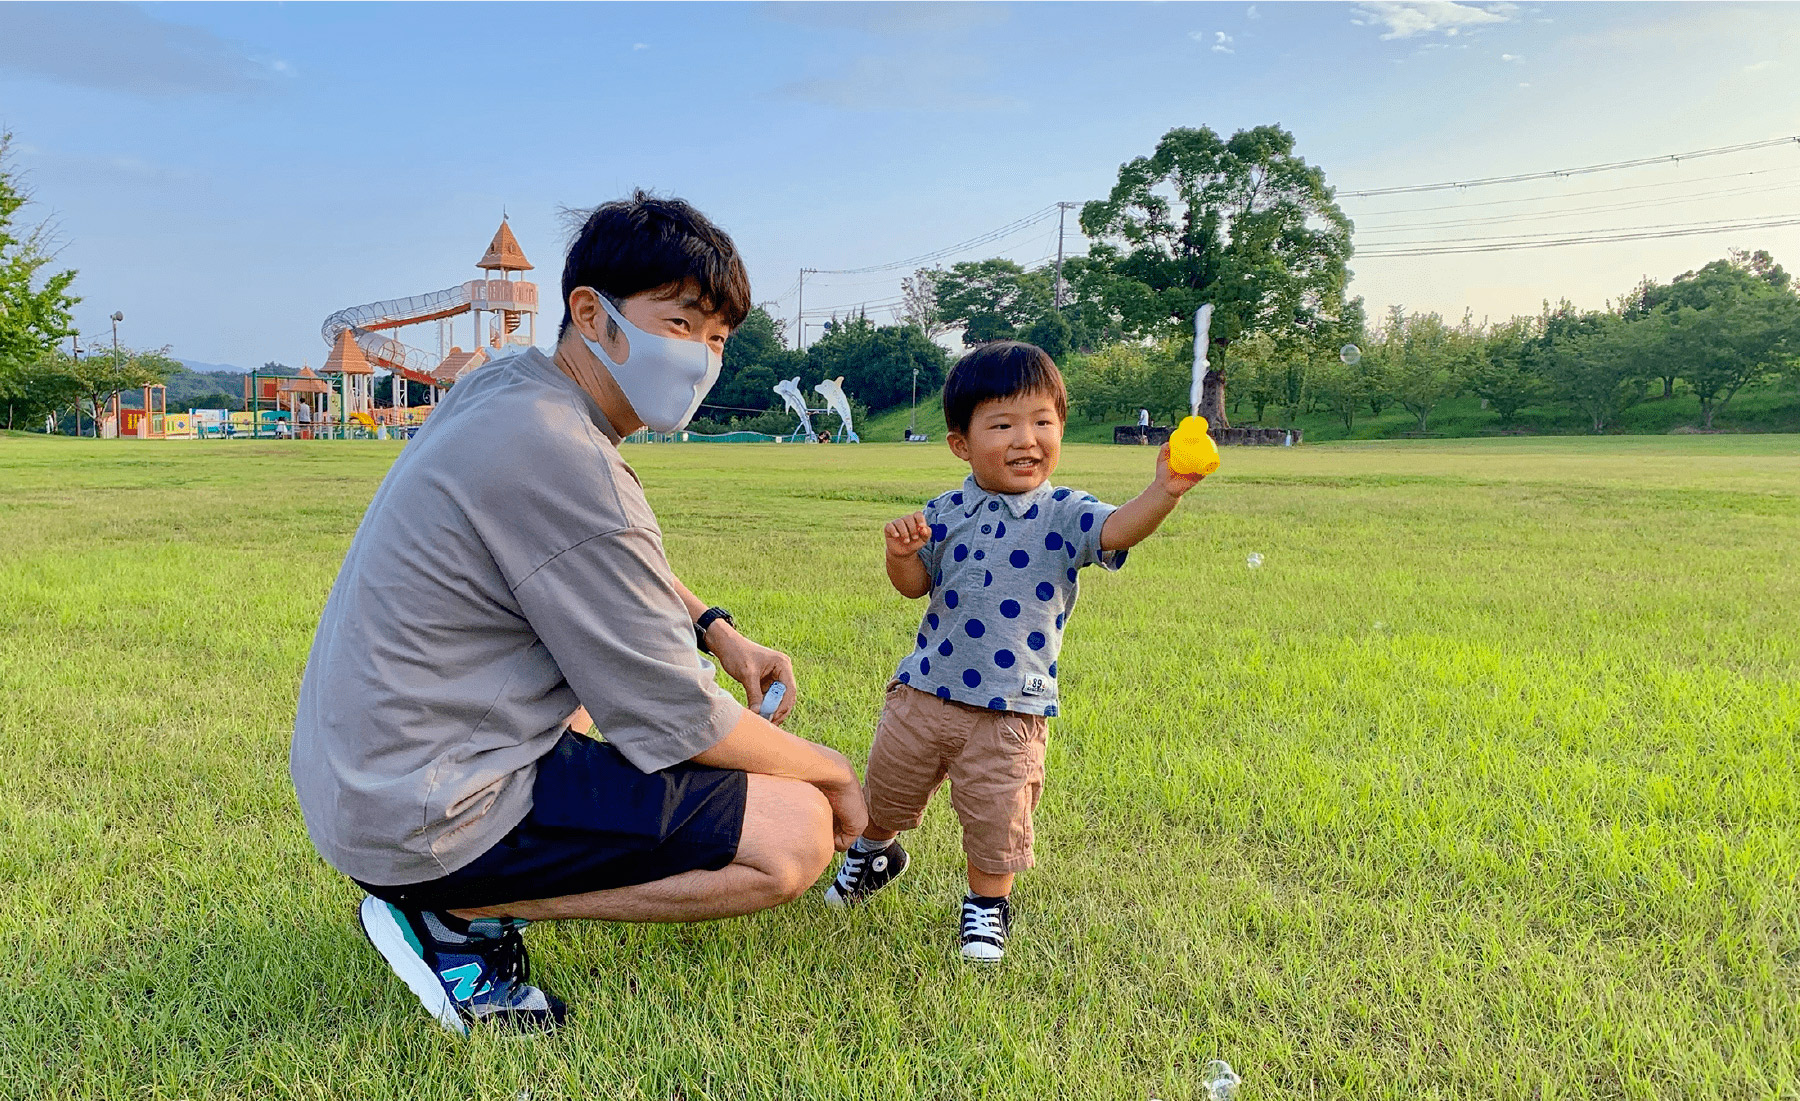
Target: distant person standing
(304,415)
(1143,418)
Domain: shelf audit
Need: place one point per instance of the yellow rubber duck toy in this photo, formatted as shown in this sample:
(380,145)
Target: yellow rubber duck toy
(1191,448)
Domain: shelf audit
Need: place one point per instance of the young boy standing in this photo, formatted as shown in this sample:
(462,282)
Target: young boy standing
(999,558)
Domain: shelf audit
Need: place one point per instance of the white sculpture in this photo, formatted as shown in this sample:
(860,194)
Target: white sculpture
(832,390)
(1202,323)
(789,389)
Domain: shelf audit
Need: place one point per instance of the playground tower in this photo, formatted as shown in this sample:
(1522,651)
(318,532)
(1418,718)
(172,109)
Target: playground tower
(350,367)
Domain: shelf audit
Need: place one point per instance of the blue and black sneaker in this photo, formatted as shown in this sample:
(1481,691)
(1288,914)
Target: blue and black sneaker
(463,978)
(867,868)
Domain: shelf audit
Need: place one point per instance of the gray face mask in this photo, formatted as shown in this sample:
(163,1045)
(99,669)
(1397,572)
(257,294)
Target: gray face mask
(663,378)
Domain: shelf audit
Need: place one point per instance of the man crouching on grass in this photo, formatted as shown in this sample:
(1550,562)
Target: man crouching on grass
(508,574)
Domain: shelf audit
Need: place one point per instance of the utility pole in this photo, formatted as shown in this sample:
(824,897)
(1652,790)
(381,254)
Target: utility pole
(800,312)
(1062,210)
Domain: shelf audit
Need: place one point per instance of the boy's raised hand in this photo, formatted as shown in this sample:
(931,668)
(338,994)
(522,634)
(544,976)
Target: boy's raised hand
(1170,482)
(906,535)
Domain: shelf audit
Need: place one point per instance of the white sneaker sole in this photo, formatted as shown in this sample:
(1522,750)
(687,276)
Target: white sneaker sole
(390,940)
(983,953)
(838,901)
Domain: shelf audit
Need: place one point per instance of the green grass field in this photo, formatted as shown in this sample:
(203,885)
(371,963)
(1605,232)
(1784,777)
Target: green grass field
(1482,786)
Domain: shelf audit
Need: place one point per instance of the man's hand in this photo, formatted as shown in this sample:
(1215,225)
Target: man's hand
(849,815)
(1170,482)
(906,535)
(753,666)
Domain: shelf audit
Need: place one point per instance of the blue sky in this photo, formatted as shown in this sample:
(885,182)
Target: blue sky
(229,174)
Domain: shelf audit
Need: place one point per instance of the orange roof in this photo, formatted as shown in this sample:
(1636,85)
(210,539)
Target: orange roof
(504,253)
(459,363)
(308,372)
(346,358)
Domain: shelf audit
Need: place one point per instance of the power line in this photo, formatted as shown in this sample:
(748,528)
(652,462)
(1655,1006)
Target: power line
(1536,241)
(1574,195)
(938,254)
(1541,215)
(1559,173)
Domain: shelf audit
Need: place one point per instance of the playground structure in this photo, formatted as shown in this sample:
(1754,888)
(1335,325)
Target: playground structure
(145,423)
(836,401)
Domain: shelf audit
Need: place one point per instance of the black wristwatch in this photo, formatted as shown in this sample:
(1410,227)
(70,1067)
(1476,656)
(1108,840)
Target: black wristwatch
(707,618)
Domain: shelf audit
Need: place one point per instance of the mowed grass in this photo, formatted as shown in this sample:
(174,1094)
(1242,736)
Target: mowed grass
(1482,786)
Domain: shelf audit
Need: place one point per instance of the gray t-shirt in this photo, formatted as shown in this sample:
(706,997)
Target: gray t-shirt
(507,570)
(1003,572)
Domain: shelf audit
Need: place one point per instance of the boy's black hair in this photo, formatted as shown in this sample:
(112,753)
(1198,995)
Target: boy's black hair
(1000,370)
(637,244)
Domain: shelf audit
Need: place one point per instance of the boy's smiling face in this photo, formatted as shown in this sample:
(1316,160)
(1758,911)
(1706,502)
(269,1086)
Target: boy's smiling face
(1013,443)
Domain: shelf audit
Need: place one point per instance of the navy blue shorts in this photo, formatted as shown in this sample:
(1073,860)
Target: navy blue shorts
(595,823)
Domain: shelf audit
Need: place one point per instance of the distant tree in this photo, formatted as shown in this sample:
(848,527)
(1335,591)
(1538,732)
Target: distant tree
(35,304)
(1424,360)
(103,376)
(1593,361)
(1506,374)
(919,302)
(1053,334)
(30,392)
(1244,224)
(992,299)
(876,363)
(755,360)
(1724,327)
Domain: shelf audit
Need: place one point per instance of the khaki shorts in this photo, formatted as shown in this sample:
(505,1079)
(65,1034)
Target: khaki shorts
(994,761)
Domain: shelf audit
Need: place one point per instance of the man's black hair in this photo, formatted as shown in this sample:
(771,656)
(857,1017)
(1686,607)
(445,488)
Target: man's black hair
(641,243)
(997,371)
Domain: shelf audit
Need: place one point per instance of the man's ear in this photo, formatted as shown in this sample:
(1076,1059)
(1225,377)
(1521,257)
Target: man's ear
(959,445)
(585,311)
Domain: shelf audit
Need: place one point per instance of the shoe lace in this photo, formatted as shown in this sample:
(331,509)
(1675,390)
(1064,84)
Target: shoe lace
(982,921)
(508,965)
(851,872)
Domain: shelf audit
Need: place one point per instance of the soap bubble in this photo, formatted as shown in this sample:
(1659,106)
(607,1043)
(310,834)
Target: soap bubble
(1219,1081)
(1350,354)
(1254,560)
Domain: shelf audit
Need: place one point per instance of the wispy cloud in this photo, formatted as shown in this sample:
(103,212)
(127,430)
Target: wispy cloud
(1759,66)
(1252,13)
(1511,57)
(120,47)
(1411,18)
(918,81)
(1218,41)
(903,18)
(640,46)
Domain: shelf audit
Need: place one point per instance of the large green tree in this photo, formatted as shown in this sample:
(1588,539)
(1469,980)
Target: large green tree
(1722,327)
(35,303)
(1424,360)
(1506,374)
(1242,223)
(1594,361)
(105,375)
(29,392)
(993,299)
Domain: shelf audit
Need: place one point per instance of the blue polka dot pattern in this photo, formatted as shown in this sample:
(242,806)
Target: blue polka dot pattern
(1010,609)
(1053,541)
(1072,575)
(961,552)
(987,578)
(921,640)
(925,666)
(1050,712)
(1031,513)
(945,649)
(1060,495)
(1059,621)
(1053,668)
(950,598)
(1000,532)
(939,531)
(996,704)
(933,620)
(904,678)
(971,678)
(956,498)
(1046,591)
(943,693)
(1020,560)
(1035,640)
(1004,658)
(1087,521)
(975,627)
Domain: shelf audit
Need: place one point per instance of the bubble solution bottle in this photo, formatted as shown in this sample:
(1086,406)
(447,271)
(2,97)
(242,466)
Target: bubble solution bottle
(1191,449)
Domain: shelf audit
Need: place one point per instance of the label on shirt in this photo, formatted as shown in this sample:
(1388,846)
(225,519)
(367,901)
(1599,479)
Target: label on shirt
(1034,686)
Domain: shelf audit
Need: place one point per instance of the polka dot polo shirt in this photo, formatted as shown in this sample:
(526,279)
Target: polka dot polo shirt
(1003,583)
